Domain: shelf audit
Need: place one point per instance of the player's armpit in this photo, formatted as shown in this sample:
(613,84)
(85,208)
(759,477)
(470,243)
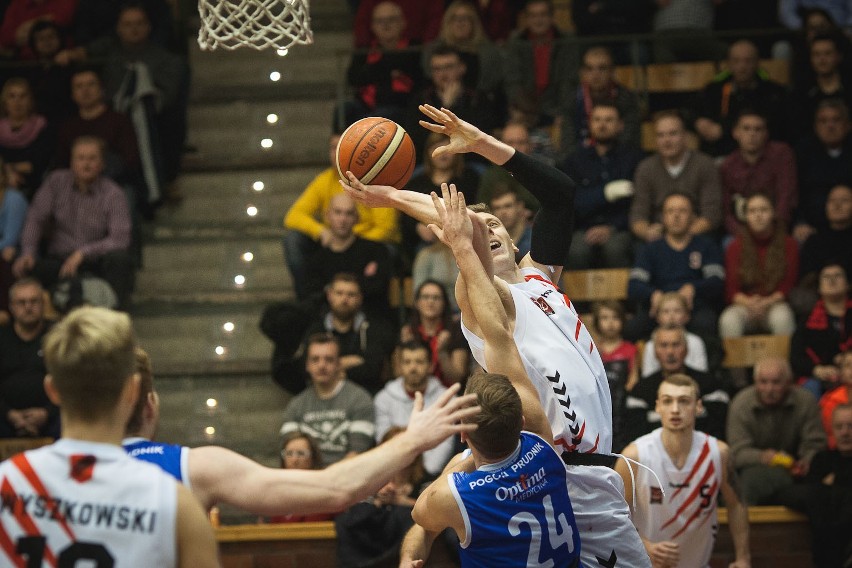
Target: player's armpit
(196,543)
(436,509)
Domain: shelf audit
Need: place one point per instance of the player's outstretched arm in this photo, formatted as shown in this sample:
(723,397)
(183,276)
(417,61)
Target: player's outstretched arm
(737,511)
(196,544)
(464,137)
(220,475)
(412,203)
(459,232)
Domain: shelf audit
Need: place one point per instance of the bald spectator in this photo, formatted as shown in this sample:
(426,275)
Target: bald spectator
(674,169)
(388,73)
(741,87)
(347,252)
(423,18)
(309,230)
(758,165)
(598,85)
(774,431)
(85,219)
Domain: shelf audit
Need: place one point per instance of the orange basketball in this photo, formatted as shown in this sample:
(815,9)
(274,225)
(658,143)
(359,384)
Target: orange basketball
(378,151)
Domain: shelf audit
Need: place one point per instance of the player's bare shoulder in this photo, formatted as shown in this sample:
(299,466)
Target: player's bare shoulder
(553,272)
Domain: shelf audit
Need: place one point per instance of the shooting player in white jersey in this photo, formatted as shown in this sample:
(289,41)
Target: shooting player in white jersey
(677,522)
(82,499)
(219,475)
(558,353)
(508,499)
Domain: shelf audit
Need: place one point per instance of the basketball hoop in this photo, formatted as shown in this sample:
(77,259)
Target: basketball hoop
(259,24)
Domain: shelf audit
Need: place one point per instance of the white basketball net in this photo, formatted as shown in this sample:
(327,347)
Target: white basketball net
(260,24)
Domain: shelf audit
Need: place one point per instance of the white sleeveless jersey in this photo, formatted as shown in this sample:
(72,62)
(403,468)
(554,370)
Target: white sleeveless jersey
(563,363)
(687,512)
(78,503)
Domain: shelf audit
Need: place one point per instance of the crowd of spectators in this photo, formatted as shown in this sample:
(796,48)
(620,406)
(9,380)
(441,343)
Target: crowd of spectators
(738,222)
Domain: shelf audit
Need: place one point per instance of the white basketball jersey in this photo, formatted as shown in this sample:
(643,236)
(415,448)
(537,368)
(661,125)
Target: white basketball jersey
(563,363)
(687,512)
(78,503)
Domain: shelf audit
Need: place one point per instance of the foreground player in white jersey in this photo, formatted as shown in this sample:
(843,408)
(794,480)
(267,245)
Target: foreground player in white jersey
(83,501)
(677,522)
(511,505)
(219,475)
(558,353)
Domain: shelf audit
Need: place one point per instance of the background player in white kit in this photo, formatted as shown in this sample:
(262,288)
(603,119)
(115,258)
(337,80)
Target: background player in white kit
(82,499)
(677,522)
(534,526)
(558,353)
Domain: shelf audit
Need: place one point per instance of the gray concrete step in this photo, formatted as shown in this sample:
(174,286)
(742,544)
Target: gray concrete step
(228,254)
(208,277)
(230,135)
(184,338)
(276,181)
(266,208)
(245,73)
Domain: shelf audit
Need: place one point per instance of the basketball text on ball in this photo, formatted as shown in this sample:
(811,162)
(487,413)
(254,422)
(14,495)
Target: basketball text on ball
(370,147)
(386,156)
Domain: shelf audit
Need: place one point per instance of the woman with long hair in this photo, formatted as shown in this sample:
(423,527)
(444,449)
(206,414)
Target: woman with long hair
(26,142)
(761,267)
(432,323)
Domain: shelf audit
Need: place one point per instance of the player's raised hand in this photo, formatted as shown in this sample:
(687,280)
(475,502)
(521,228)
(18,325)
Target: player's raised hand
(456,227)
(464,137)
(430,426)
(367,195)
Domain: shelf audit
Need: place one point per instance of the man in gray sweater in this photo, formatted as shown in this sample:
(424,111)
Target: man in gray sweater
(674,169)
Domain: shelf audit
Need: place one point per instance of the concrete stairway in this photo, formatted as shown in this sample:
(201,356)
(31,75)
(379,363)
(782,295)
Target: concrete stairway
(195,250)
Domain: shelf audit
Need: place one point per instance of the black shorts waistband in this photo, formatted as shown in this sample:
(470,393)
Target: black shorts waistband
(577,458)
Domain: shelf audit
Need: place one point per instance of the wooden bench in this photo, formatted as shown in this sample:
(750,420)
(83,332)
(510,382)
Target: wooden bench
(594,285)
(780,538)
(11,446)
(745,351)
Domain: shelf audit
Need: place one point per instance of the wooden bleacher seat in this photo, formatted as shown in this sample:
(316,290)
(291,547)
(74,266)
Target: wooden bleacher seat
(679,77)
(11,446)
(593,285)
(777,69)
(741,352)
(401,292)
(631,76)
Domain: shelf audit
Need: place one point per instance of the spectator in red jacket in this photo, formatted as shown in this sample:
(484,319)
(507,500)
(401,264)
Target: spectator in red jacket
(423,17)
(826,333)
(761,267)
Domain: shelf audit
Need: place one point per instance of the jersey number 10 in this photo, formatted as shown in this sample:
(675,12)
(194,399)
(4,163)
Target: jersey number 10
(33,548)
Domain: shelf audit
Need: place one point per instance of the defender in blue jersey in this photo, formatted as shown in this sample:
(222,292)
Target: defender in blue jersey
(507,496)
